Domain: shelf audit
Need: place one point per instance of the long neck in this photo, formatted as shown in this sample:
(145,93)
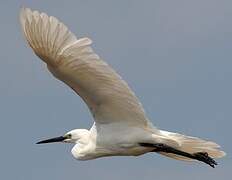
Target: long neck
(85,145)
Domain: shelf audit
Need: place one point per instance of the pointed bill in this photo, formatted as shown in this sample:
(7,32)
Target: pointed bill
(52,140)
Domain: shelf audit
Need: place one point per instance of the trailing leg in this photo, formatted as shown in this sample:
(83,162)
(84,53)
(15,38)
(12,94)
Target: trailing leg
(200,156)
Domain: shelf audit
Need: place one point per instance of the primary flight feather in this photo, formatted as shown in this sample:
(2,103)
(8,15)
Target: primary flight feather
(121,126)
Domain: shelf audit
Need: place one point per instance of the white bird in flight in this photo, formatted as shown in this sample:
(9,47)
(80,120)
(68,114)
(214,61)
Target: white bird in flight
(121,127)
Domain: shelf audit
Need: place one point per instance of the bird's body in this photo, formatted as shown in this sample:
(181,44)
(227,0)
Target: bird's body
(107,141)
(121,126)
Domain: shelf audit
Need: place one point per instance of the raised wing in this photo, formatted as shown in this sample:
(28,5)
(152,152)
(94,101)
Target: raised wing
(73,61)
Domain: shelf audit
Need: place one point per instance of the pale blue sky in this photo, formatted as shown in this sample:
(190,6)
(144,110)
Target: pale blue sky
(176,56)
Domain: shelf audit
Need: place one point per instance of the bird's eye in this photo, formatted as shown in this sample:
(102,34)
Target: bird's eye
(68,136)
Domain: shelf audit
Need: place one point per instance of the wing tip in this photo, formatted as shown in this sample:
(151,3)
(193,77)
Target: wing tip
(24,15)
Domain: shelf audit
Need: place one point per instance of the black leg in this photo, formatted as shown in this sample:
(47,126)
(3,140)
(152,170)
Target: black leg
(200,156)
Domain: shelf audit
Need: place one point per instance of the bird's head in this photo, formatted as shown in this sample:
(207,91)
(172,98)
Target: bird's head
(72,136)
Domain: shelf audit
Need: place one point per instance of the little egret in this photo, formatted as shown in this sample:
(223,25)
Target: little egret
(121,127)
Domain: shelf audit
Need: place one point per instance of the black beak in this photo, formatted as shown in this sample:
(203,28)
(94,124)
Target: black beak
(52,140)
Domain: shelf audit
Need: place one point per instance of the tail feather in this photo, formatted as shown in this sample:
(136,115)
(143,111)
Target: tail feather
(193,145)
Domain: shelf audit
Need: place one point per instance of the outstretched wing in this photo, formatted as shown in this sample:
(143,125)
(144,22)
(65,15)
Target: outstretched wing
(73,61)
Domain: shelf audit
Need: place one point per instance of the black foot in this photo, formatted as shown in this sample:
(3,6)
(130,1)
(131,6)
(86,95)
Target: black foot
(204,157)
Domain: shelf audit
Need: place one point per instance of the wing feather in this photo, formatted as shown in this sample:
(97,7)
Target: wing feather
(73,61)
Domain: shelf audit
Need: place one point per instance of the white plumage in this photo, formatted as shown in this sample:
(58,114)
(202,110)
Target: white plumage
(120,121)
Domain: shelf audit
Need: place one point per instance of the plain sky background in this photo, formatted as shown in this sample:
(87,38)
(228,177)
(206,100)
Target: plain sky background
(175,55)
